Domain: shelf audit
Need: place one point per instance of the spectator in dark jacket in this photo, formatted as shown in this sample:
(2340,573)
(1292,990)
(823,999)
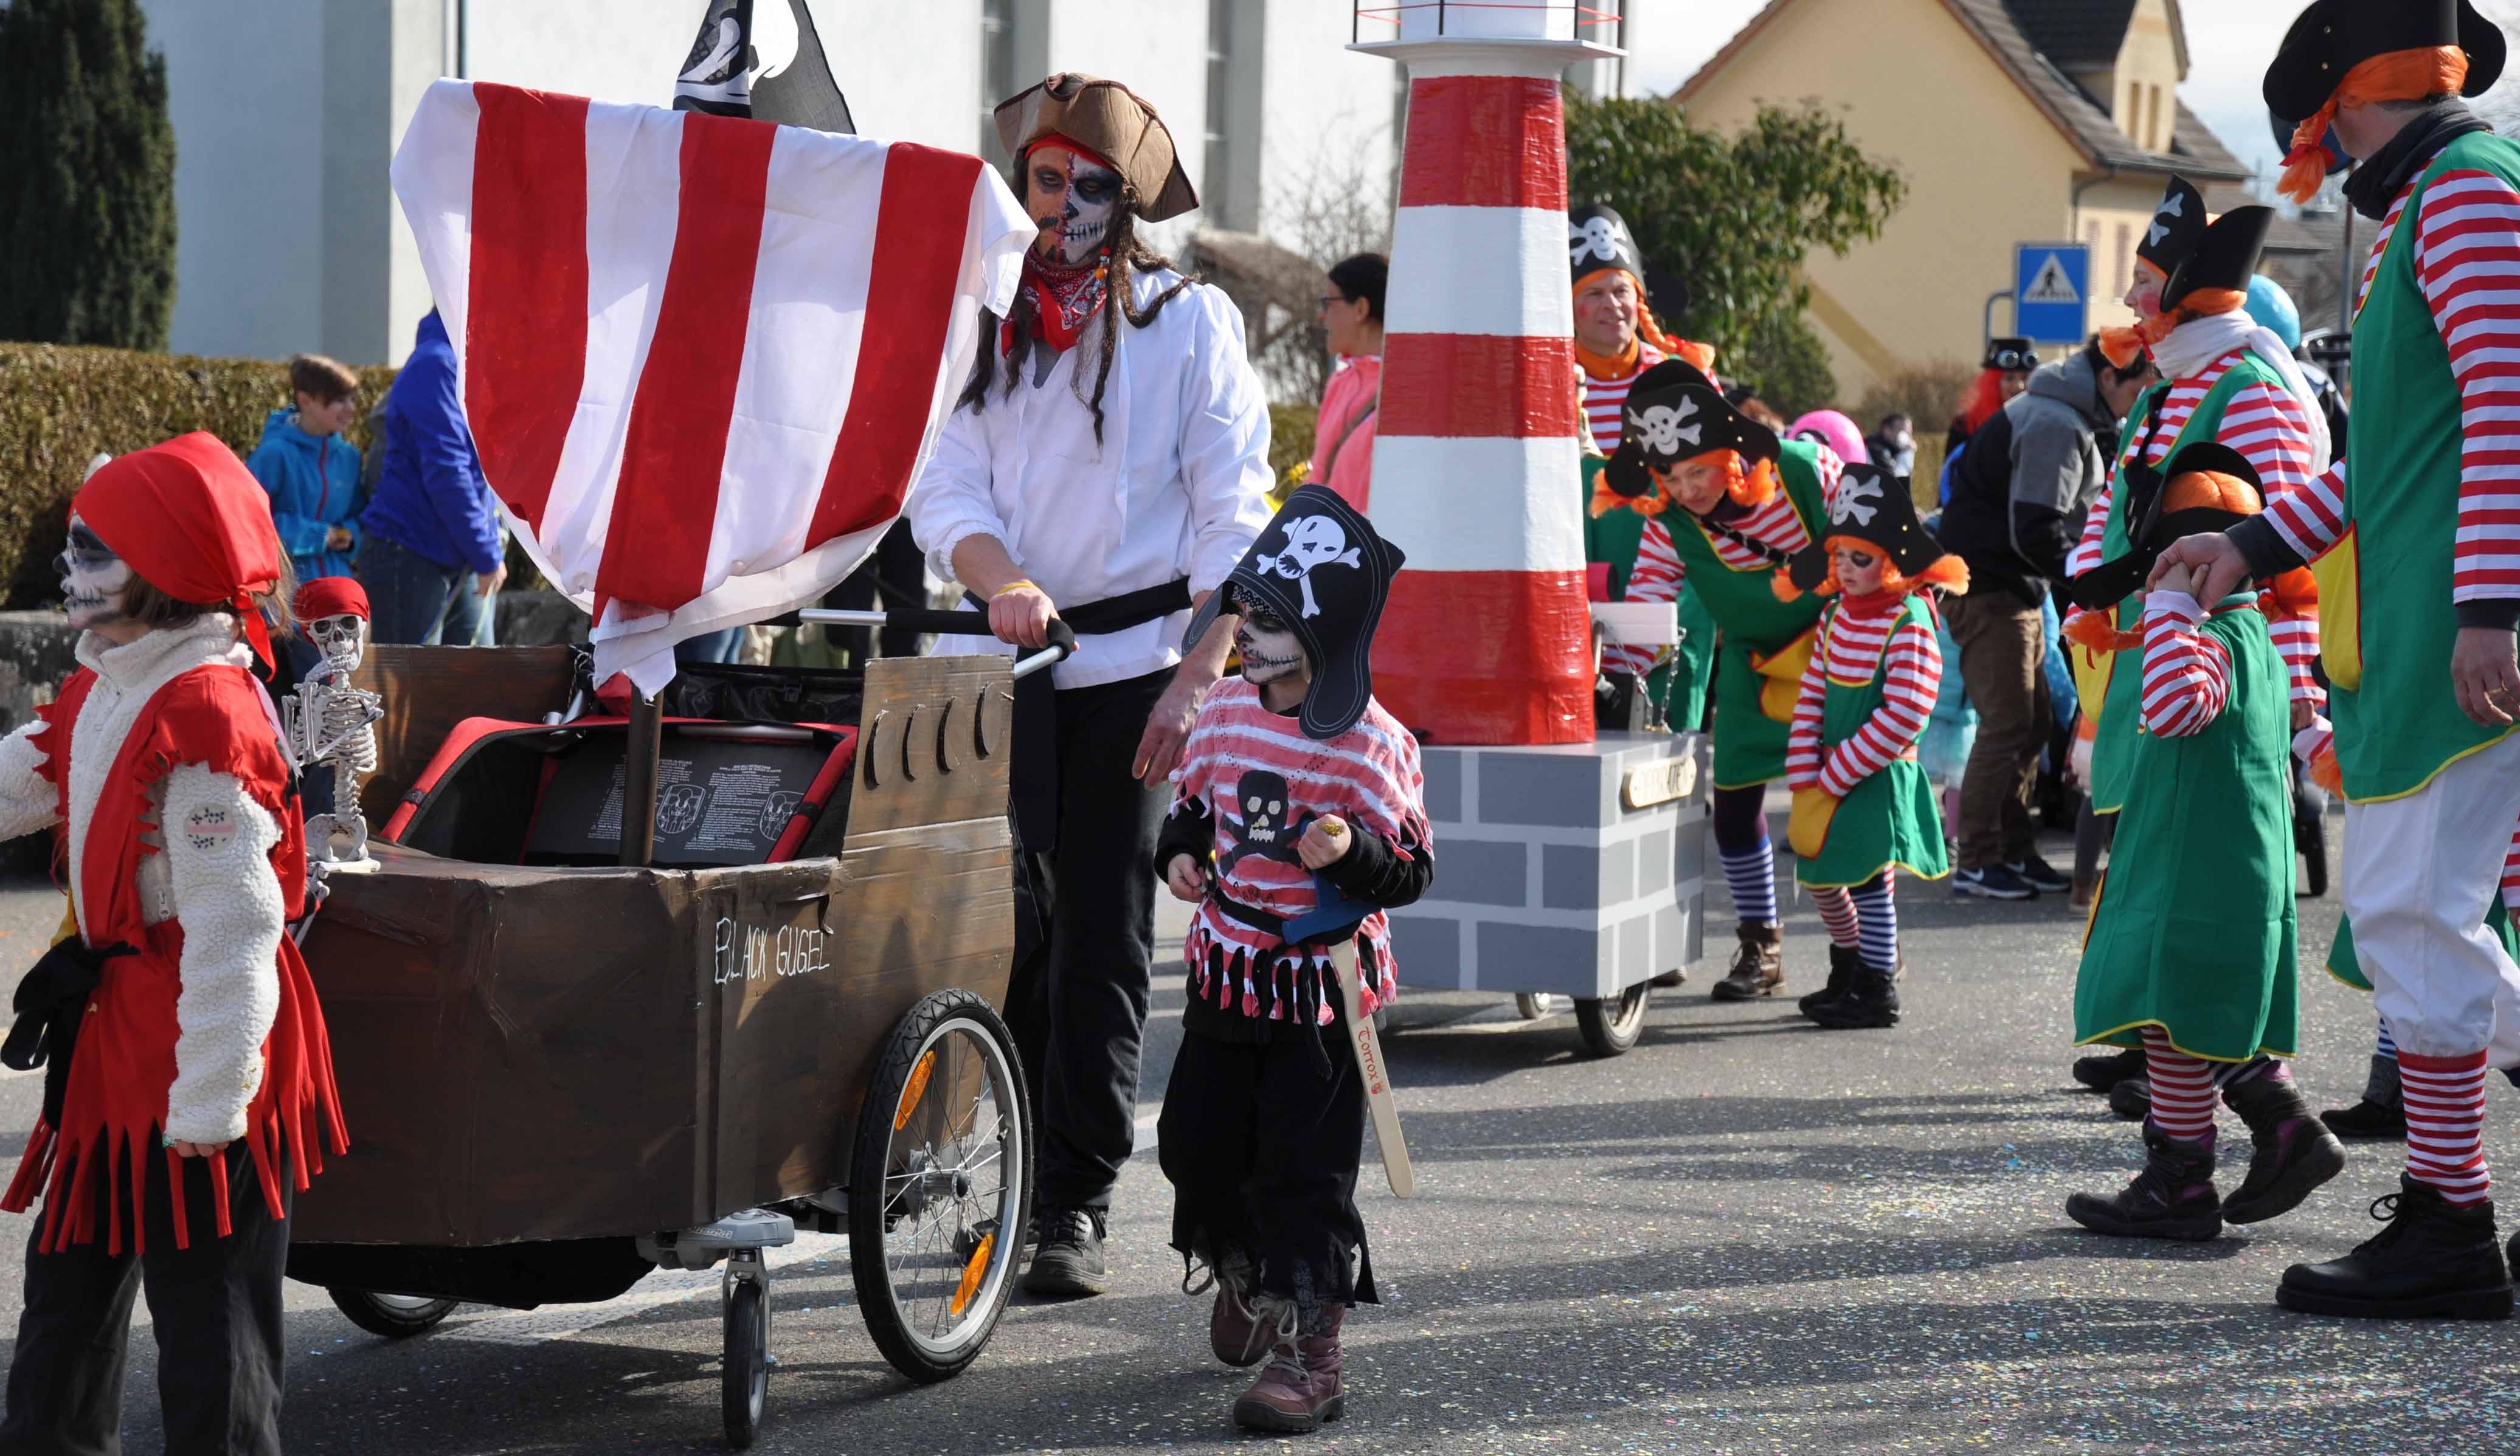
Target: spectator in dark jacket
(433,528)
(2018,497)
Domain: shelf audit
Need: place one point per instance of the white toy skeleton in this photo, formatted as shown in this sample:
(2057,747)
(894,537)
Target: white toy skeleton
(329,721)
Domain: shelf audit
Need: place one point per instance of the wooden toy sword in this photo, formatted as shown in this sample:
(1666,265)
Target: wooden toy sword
(1333,924)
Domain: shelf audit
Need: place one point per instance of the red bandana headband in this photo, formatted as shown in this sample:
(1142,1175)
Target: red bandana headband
(189,520)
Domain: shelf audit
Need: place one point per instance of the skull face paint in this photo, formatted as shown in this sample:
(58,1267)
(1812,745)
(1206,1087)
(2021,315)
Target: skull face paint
(94,580)
(1271,651)
(1071,199)
(342,638)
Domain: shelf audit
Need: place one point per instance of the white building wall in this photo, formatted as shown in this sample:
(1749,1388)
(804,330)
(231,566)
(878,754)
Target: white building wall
(1326,117)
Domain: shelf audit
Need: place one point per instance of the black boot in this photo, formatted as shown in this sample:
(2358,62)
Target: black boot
(2101,1072)
(2172,1198)
(2382,1112)
(2290,1152)
(2132,1099)
(1872,1000)
(1842,962)
(2432,1261)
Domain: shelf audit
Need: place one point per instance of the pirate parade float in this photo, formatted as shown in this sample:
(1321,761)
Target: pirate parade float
(1573,858)
(653,968)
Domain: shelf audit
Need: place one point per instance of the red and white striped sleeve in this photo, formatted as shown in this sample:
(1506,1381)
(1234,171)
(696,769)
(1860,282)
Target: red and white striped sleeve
(2271,430)
(2511,877)
(2297,643)
(1656,577)
(2186,675)
(1914,676)
(2467,258)
(2310,520)
(1802,740)
(2086,554)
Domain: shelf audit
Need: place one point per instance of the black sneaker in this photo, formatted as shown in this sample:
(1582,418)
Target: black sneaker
(1068,1262)
(2040,875)
(1995,882)
(2433,1261)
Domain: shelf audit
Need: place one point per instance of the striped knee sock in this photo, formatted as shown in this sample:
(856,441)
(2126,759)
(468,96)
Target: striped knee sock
(2230,1074)
(2388,1046)
(2445,1124)
(1837,916)
(1751,875)
(1876,911)
(2183,1089)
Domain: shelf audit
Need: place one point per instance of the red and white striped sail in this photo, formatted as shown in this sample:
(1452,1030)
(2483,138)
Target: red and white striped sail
(702,358)
(1476,466)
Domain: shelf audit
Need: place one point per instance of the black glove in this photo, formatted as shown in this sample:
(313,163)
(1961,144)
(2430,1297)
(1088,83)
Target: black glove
(51,999)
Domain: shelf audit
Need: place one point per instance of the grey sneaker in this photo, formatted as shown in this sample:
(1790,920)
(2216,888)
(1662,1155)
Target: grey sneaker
(1068,1261)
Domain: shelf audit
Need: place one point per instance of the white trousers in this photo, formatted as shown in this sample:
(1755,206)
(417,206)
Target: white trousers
(2418,875)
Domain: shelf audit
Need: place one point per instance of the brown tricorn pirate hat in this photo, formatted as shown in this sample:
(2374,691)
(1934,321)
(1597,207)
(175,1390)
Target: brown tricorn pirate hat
(1115,123)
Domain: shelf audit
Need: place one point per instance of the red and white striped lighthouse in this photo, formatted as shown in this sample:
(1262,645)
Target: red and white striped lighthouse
(1476,461)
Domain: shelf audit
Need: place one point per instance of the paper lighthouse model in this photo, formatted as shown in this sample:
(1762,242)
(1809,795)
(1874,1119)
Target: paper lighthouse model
(1487,637)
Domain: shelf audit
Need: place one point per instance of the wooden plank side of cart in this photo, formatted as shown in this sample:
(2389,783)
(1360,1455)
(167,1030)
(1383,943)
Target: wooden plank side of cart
(531,1053)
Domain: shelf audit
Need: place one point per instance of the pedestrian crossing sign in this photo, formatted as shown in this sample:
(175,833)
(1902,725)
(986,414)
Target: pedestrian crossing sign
(2051,292)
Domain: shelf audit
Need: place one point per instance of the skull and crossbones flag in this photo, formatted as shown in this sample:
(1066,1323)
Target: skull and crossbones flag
(702,357)
(1319,567)
(774,71)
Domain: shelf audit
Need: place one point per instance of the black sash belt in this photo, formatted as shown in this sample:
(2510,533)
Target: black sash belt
(50,1003)
(1034,789)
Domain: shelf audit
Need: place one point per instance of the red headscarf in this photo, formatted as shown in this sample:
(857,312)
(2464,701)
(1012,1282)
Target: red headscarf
(332,596)
(188,519)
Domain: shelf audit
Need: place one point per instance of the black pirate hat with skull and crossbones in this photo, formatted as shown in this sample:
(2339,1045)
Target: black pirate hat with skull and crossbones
(1672,414)
(1875,507)
(1321,567)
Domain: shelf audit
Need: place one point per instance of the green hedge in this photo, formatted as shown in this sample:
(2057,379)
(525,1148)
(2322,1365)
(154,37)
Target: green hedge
(1290,436)
(60,406)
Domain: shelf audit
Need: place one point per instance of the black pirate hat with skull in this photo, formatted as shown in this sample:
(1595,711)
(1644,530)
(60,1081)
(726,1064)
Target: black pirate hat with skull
(2178,226)
(1672,414)
(1321,567)
(1598,238)
(1875,507)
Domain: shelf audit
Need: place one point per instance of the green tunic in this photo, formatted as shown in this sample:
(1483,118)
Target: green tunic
(2194,931)
(1751,721)
(2397,718)
(2119,722)
(1612,539)
(1892,818)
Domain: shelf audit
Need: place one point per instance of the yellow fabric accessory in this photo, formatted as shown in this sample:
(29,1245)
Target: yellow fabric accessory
(2339,570)
(1808,829)
(1784,671)
(1017,585)
(2090,676)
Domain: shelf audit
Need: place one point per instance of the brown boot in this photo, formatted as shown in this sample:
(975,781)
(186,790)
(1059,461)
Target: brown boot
(1235,1330)
(1758,967)
(1299,1392)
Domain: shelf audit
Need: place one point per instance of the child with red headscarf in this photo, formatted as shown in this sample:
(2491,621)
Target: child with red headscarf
(188,1080)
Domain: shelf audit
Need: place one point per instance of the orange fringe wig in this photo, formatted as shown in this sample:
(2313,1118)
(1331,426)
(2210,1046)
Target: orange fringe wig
(1701,357)
(1948,572)
(2399,75)
(1743,483)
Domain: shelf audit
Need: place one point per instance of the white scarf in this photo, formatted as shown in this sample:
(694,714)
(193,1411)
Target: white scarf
(2194,345)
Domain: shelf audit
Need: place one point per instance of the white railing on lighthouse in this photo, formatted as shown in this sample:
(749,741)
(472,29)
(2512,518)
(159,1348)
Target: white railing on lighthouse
(1382,21)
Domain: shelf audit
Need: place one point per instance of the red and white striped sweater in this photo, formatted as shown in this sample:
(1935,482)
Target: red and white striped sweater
(2272,430)
(1606,399)
(2186,674)
(1660,572)
(1855,635)
(2467,260)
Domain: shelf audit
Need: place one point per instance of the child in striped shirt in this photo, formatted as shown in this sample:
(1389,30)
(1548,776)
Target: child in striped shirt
(1864,807)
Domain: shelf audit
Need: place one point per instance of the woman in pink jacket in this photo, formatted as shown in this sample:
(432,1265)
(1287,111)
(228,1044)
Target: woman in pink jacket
(1343,437)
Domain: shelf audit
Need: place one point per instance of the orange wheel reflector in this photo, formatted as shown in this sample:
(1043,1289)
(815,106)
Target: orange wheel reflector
(971,1273)
(916,1089)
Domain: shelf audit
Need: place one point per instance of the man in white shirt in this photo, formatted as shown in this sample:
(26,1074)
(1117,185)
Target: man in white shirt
(1108,464)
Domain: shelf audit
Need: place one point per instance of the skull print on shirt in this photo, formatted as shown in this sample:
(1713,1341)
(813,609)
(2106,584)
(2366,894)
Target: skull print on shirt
(1267,830)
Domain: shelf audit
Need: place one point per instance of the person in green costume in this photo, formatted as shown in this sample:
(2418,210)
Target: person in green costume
(1726,505)
(2419,591)
(1616,539)
(2192,946)
(1863,809)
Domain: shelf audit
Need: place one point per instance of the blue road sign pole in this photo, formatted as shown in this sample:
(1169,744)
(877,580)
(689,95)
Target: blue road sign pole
(2051,292)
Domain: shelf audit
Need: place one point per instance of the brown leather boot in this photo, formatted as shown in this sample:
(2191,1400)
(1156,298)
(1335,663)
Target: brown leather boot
(1300,1392)
(1758,967)
(1237,1331)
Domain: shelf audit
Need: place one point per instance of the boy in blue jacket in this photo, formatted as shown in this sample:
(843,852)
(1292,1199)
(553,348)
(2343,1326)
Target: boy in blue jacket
(310,472)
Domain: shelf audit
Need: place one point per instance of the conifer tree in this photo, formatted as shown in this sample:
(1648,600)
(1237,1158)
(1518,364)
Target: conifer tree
(87,176)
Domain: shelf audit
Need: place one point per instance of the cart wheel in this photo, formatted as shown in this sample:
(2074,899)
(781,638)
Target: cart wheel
(940,1186)
(1535,1005)
(1611,1026)
(394,1316)
(746,1380)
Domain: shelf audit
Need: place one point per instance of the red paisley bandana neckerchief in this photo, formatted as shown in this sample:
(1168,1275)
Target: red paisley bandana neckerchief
(1065,299)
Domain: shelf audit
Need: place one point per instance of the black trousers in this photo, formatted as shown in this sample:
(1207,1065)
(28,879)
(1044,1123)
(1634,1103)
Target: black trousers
(1261,1141)
(214,1308)
(1085,945)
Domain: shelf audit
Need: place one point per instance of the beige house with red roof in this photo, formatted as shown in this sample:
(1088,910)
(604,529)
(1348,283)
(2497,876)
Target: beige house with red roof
(2012,120)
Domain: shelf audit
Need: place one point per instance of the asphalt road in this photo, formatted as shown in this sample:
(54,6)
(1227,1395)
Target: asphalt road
(1746,1236)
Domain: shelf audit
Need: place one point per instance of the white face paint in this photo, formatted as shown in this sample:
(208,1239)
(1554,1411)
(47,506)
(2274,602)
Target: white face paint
(1072,201)
(94,580)
(1271,651)
(342,638)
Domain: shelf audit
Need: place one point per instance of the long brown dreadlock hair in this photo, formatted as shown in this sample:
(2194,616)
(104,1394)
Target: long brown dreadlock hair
(1122,245)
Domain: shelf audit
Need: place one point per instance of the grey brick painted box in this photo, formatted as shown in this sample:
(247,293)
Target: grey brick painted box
(1547,881)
